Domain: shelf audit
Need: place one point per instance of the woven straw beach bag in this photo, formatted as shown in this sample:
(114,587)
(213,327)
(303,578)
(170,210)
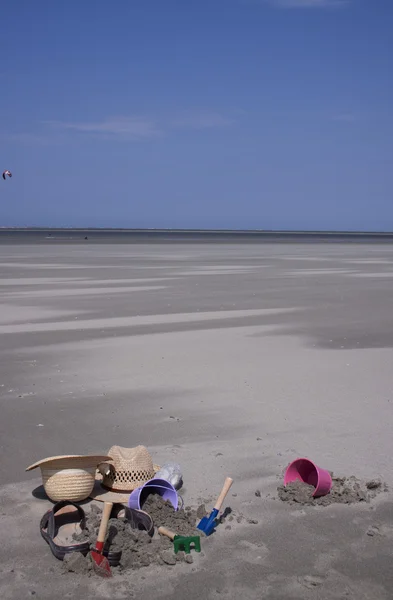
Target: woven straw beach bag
(68,477)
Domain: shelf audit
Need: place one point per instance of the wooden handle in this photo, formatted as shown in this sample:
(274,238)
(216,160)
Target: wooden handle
(224,491)
(106,513)
(167,532)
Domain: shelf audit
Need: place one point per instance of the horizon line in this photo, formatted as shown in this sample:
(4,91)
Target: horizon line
(200,230)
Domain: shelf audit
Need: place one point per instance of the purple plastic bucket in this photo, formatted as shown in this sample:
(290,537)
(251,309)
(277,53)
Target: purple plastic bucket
(305,470)
(154,486)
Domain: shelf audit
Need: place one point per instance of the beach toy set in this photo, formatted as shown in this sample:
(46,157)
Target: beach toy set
(123,480)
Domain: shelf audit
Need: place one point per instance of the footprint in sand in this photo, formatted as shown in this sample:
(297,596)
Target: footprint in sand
(253,553)
(380,531)
(373,530)
(298,513)
(311,581)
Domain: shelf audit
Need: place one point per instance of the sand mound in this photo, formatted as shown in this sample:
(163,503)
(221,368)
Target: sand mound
(345,490)
(137,547)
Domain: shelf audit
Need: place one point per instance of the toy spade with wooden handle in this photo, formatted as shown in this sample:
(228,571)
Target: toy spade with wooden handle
(181,542)
(207,524)
(100,562)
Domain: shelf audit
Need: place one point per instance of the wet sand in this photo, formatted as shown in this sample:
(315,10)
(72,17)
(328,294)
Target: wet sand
(229,359)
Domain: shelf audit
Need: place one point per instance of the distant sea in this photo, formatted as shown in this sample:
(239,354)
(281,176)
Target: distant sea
(161,236)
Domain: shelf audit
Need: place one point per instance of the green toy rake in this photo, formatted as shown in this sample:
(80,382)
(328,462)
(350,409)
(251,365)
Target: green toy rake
(182,542)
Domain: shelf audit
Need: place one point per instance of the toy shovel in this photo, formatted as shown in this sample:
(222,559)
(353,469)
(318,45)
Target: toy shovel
(100,562)
(207,524)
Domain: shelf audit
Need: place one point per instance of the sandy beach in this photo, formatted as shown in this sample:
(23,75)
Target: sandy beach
(231,360)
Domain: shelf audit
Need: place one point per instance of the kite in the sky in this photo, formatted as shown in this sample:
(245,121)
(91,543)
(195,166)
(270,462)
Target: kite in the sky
(7,173)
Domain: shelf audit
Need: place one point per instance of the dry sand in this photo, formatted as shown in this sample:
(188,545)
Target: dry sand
(241,359)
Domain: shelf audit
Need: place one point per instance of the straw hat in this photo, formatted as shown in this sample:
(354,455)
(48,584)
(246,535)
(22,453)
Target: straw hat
(68,477)
(127,469)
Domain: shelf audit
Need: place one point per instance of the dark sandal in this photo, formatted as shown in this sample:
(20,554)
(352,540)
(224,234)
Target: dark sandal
(138,519)
(60,524)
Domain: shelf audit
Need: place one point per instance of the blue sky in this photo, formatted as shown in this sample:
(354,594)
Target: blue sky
(271,114)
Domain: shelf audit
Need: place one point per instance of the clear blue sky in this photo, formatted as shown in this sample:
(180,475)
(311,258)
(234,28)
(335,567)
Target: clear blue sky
(272,114)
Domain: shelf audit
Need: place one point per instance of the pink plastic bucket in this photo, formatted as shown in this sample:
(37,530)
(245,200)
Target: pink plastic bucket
(154,486)
(305,470)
